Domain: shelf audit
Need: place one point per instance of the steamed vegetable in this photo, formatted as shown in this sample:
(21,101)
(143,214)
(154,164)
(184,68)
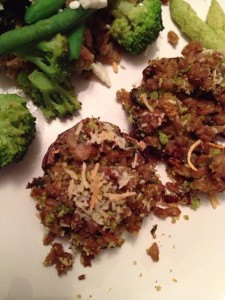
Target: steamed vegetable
(42,9)
(216,18)
(17,129)
(49,56)
(136,25)
(194,27)
(43,29)
(54,99)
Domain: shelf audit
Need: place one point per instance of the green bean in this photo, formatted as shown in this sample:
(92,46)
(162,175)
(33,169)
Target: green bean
(216,18)
(75,39)
(59,23)
(42,9)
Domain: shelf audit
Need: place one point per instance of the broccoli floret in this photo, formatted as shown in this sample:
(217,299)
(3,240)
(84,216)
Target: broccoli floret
(17,129)
(49,56)
(54,99)
(136,24)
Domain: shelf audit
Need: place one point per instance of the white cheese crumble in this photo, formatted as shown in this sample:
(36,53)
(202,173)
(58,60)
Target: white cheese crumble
(74,4)
(100,71)
(94,4)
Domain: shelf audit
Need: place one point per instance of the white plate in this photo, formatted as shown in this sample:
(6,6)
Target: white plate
(192,260)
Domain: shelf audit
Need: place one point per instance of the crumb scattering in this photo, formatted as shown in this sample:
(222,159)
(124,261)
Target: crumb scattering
(153,251)
(173,38)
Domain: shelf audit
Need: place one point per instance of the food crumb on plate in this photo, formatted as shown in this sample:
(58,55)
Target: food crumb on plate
(158,288)
(82,277)
(186,217)
(172,38)
(153,251)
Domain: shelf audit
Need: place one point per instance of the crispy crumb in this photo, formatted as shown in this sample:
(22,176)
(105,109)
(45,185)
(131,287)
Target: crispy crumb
(122,66)
(140,275)
(158,288)
(82,277)
(172,38)
(79,296)
(134,262)
(186,217)
(153,251)
(153,231)
(174,280)
(115,67)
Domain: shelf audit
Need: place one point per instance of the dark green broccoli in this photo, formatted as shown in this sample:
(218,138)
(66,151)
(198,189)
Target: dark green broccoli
(17,129)
(136,24)
(54,99)
(50,56)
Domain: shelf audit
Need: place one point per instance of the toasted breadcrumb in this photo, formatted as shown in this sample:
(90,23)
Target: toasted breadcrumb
(173,38)
(153,251)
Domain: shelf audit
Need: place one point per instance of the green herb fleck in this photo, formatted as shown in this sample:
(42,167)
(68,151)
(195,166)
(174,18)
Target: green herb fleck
(195,202)
(163,138)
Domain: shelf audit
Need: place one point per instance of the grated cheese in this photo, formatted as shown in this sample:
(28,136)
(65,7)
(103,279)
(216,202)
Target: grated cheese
(192,148)
(124,179)
(135,163)
(216,145)
(79,128)
(213,200)
(107,133)
(94,186)
(71,173)
(83,176)
(114,197)
(145,101)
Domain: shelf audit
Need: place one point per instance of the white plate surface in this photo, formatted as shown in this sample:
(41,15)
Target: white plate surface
(192,253)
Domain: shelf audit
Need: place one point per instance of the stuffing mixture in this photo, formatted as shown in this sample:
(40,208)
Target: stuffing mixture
(179,112)
(96,184)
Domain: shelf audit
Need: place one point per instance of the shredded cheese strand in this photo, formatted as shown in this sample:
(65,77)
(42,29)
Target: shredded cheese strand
(192,148)
(83,176)
(71,173)
(213,200)
(79,128)
(216,146)
(113,197)
(145,101)
(70,188)
(94,186)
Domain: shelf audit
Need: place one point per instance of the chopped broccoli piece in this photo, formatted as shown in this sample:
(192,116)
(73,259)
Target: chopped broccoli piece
(17,129)
(136,24)
(195,202)
(163,138)
(49,56)
(54,99)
